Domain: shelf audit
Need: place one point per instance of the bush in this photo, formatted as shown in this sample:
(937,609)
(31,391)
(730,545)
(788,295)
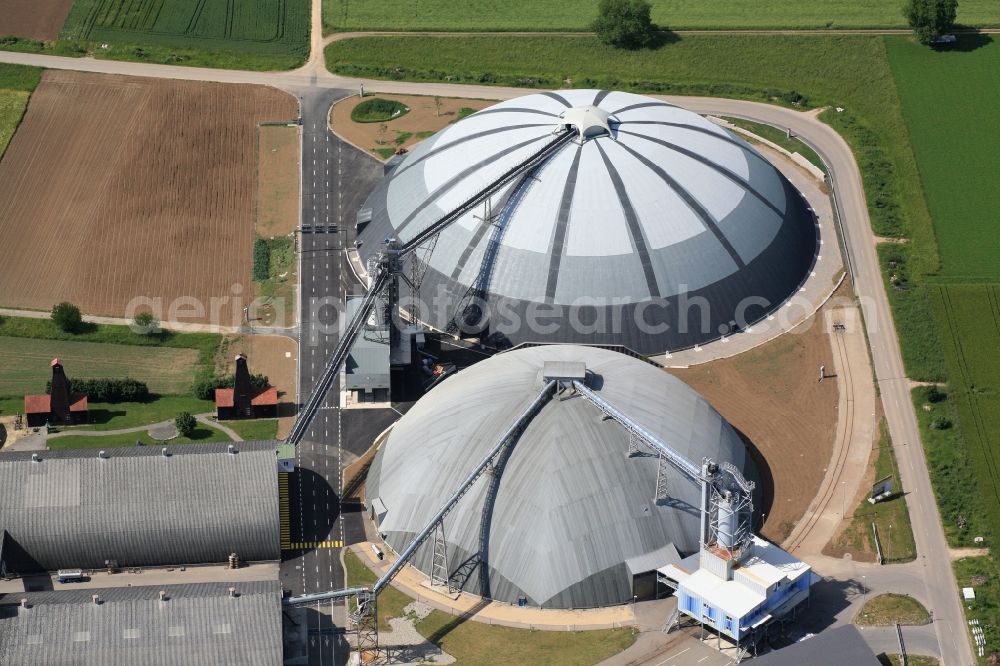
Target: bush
(940,423)
(108,390)
(205,389)
(185,424)
(67,317)
(144,323)
(933,394)
(625,24)
(930,18)
(261,259)
(377,110)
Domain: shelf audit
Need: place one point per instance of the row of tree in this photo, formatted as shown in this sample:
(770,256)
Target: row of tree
(628,24)
(108,390)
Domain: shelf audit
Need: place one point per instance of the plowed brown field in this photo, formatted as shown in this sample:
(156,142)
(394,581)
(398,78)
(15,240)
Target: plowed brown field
(115,188)
(38,19)
(771,395)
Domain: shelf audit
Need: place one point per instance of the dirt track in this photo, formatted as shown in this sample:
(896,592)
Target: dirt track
(772,395)
(37,19)
(117,187)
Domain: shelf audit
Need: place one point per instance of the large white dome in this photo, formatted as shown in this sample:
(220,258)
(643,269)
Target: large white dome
(649,206)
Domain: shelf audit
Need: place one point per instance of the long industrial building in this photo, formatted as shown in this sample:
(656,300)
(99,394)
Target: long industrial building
(575,521)
(206,624)
(138,506)
(654,228)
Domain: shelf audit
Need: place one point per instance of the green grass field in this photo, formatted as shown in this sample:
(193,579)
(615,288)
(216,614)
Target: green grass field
(533,15)
(112,416)
(16,85)
(12,106)
(201,435)
(255,429)
(205,344)
(952,472)
(253,34)
(477,644)
(986,607)
(26,364)
(969,317)
(950,99)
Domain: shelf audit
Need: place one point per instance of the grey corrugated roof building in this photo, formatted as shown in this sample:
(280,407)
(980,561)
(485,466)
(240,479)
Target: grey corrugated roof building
(654,214)
(841,646)
(574,517)
(199,624)
(139,508)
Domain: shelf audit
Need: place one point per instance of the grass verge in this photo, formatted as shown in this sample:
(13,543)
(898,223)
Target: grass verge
(952,472)
(890,609)
(890,516)
(477,644)
(983,575)
(776,136)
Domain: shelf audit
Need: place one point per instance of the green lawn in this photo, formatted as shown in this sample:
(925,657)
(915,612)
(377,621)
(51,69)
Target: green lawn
(252,34)
(531,15)
(112,416)
(205,344)
(477,644)
(891,516)
(201,435)
(969,316)
(12,106)
(983,575)
(16,85)
(26,364)
(890,609)
(255,429)
(952,472)
(951,103)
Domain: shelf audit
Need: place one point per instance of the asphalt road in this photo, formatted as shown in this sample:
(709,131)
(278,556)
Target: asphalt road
(335,180)
(940,589)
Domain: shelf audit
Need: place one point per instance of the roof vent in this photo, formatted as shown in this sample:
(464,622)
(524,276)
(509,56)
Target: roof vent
(97,599)
(163,595)
(102,454)
(588,121)
(24,603)
(163,452)
(232,592)
(35,458)
(231,449)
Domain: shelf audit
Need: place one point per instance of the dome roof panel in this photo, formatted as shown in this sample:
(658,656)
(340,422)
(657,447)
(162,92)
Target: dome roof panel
(667,196)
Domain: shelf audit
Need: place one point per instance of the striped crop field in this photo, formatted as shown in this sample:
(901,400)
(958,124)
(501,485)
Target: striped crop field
(277,28)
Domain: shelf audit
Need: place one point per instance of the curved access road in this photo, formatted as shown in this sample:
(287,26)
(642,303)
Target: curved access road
(941,588)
